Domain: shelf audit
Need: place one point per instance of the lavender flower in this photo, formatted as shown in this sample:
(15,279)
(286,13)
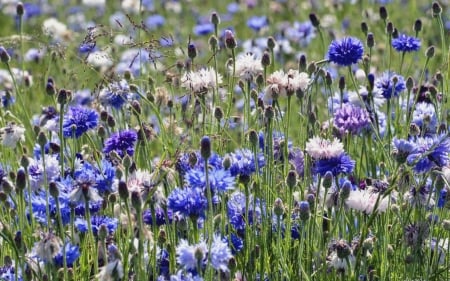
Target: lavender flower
(191,256)
(351,119)
(346,52)
(121,142)
(78,120)
(405,43)
(424,116)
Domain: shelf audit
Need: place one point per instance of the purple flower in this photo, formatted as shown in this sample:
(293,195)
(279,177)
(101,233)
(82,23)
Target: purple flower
(341,164)
(424,116)
(79,120)
(121,142)
(351,119)
(203,29)
(155,21)
(243,162)
(160,215)
(345,52)
(116,93)
(387,86)
(405,43)
(402,149)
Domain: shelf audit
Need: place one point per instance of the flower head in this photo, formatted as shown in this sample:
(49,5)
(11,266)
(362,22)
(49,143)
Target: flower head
(220,254)
(345,52)
(341,164)
(121,142)
(79,120)
(190,202)
(115,94)
(248,67)
(319,148)
(351,119)
(388,87)
(429,152)
(405,43)
(12,134)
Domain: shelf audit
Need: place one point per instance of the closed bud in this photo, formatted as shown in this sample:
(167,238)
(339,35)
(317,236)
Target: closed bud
(218,113)
(389,28)
(136,201)
(136,107)
(21,179)
(291,179)
(314,20)
(123,190)
(103,115)
(364,28)
(414,130)
(304,210)
(442,129)
(311,68)
(341,83)
(42,139)
(311,199)
(327,180)
(253,138)
(162,236)
(215,19)
(418,26)
(112,198)
(395,33)
(269,113)
(260,80)
(102,232)
(50,89)
(205,147)
(24,162)
(127,161)
(62,97)
(7,186)
(345,190)
(110,121)
(20,9)
(302,63)
(439,76)
(4,56)
(230,41)
(436,9)
(271,43)
(328,79)
(342,249)
(429,53)
(265,59)
(383,13)
(371,79)
(446,225)
(226,163)
(409,83)
(370,40)
(101,131)
(192,51)
(213,42)
(278,207)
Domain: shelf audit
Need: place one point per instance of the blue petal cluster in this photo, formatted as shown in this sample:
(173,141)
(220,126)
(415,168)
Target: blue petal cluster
(345,52)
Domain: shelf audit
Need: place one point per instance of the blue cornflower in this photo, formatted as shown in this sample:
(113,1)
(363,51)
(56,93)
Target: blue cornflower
(190,256)
(79,120)
(194,160)
(405,43)
(429,152)
(341,164)
(243,162)
(220,254)
(345,52)
(301,32)
(190,202)
(105,177)
(7,99)
(257,23)
(121,142)
(424,116)
(96,222)
(8,273)
(155,21)
(351,119)
(402,148)
(72,254)
(387,86)
(203,29)
(160,216)
(220,180)
(236,211)
(86,47)
(115,94)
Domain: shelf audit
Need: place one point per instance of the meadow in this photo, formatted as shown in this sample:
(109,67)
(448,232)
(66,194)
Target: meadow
(242,140)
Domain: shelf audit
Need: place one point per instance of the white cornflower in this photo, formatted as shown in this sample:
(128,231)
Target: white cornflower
(277,83)
(94,3)
(11,134)
(112,271)
(100,59)
(201,81)
(360,97)
(319,148)
(341,264)
(48,247)
(247,67)
(297,80)
(365,201)
(55,29)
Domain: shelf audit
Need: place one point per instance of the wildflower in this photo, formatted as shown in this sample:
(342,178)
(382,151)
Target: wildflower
(429,152)
(191,256)
(340,256)
(244,164)
(415,234)
(48,247)
(79,120)
(424,116)
(419,196)
(257,23)
(220,254)
(203,28)
(402,148)
(160,215)
(297,81)
(72,254)
(351,119)
(319,148)
(276,85)
(96,222)
(236,209)
(115,94)
(367,201)
(301,32)
(345,52)
(220,180)
(55,29)
(155,21)
(84,187)
(190,202)
(121,142)
(201,81)
(405,43)
(248,67)
(341,164)
(36,170)
(390,84)
(12,134)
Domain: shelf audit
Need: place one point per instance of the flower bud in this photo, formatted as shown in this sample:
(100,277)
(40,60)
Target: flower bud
(389,28)
(215,19)
(429,52)
(291,179)
(342,249)
(304,210)
(4,56)
(302,64)
(341,83)
(230,41)
(383,13)
(409,83)
(42,139)
(278,207)
(314,20)
(345,190)
(418,26)
(370,40)
(269,113)
(436,9)
(364,28)
(253,138)
(218,113)
(265,59)
(21,179)
(213,42)
(327,180)
(136,200)
(271,43)
(20,9)
(192,51)
(123,190)
(205,147)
